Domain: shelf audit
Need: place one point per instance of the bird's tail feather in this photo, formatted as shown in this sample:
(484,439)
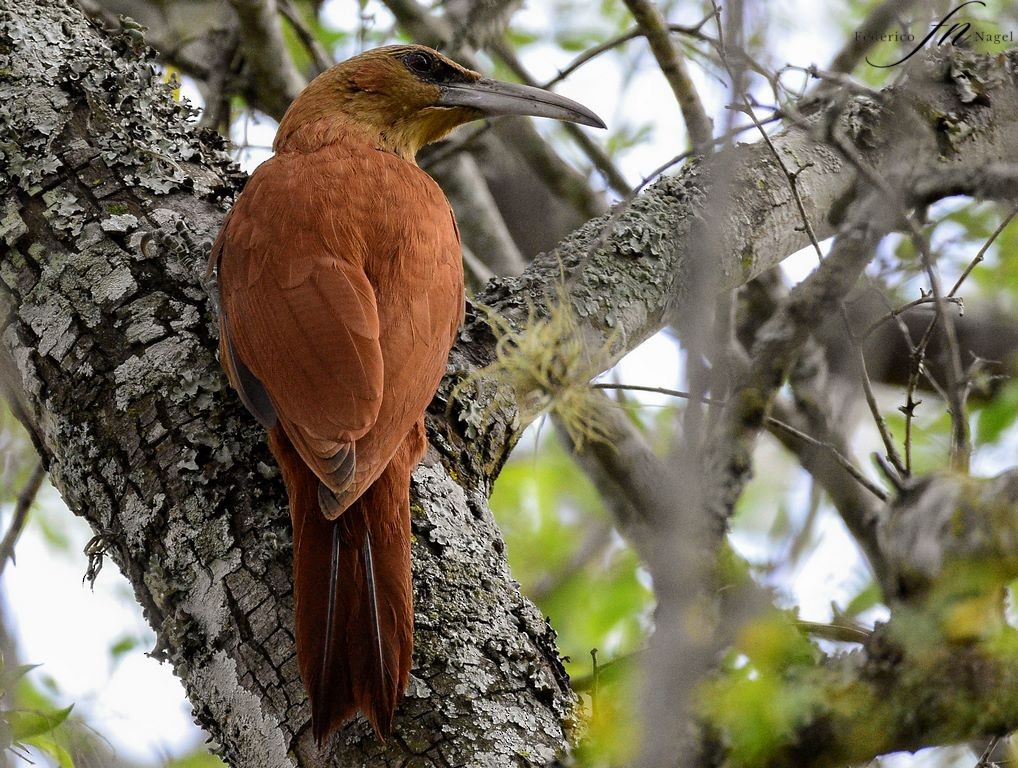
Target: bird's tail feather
(354,615)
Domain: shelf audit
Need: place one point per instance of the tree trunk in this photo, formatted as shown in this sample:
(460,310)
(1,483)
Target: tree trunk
(110,201)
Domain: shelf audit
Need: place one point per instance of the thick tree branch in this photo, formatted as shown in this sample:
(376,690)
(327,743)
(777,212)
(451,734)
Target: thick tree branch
(673,66)
(110,203)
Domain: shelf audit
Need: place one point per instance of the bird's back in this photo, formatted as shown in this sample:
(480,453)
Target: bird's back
(351,208)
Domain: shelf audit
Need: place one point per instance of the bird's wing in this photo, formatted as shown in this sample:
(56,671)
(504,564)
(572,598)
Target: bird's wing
(299,320)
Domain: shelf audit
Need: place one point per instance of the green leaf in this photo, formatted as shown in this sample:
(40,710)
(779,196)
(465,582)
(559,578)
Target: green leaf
(11,676)
(48,744)
(998,415)
(26,724)
(865,599)
(197,760)
(519,38)
(124,645)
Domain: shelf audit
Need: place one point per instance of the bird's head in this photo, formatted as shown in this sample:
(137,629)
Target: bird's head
(405,96)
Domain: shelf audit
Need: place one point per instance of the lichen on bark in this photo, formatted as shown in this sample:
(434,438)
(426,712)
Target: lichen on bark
(111,198)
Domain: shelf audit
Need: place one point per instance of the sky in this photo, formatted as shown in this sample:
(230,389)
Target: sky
(136,702)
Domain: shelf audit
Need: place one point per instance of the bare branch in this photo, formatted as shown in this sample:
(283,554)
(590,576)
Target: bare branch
(322,58)
(895,312)
(655,390)
(840,631)
(588,146)
(867,34)
(266,54)
(891,451)
(845,463)
(673,66)
(917,352)
(26,497)
(981,253)
(592,53)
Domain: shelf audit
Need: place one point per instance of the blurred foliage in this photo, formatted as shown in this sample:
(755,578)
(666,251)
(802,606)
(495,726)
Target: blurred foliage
(549,513)
(752,703)
(17,456)
(29,719)
(596,597)
(196,760)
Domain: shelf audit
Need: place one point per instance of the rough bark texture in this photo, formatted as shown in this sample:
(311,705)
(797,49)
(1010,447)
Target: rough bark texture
(109,202)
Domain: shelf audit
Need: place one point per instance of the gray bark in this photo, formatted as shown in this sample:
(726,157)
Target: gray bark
(110,200)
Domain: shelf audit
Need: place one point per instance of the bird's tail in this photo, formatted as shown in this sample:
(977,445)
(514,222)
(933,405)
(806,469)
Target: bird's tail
(354,609)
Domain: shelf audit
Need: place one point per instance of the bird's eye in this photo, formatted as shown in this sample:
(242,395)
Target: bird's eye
(419,62)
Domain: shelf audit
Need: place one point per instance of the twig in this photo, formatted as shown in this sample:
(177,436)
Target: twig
(656,390)
(981,253)
(987,753)
(789,175)
(840,630)
(953,395)
(847,465)
(592,53)
(895,312)
(847,83)
(673,66)
(890,450)
(589,147)
(889,472)
(319,55)
(604,671)
(918,351)
(961,446)
(21,507)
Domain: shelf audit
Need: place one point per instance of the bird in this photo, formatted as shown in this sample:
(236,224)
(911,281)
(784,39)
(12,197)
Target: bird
(340,280)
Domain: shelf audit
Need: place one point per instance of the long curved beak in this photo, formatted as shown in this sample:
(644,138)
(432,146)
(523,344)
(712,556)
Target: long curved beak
(493,97)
